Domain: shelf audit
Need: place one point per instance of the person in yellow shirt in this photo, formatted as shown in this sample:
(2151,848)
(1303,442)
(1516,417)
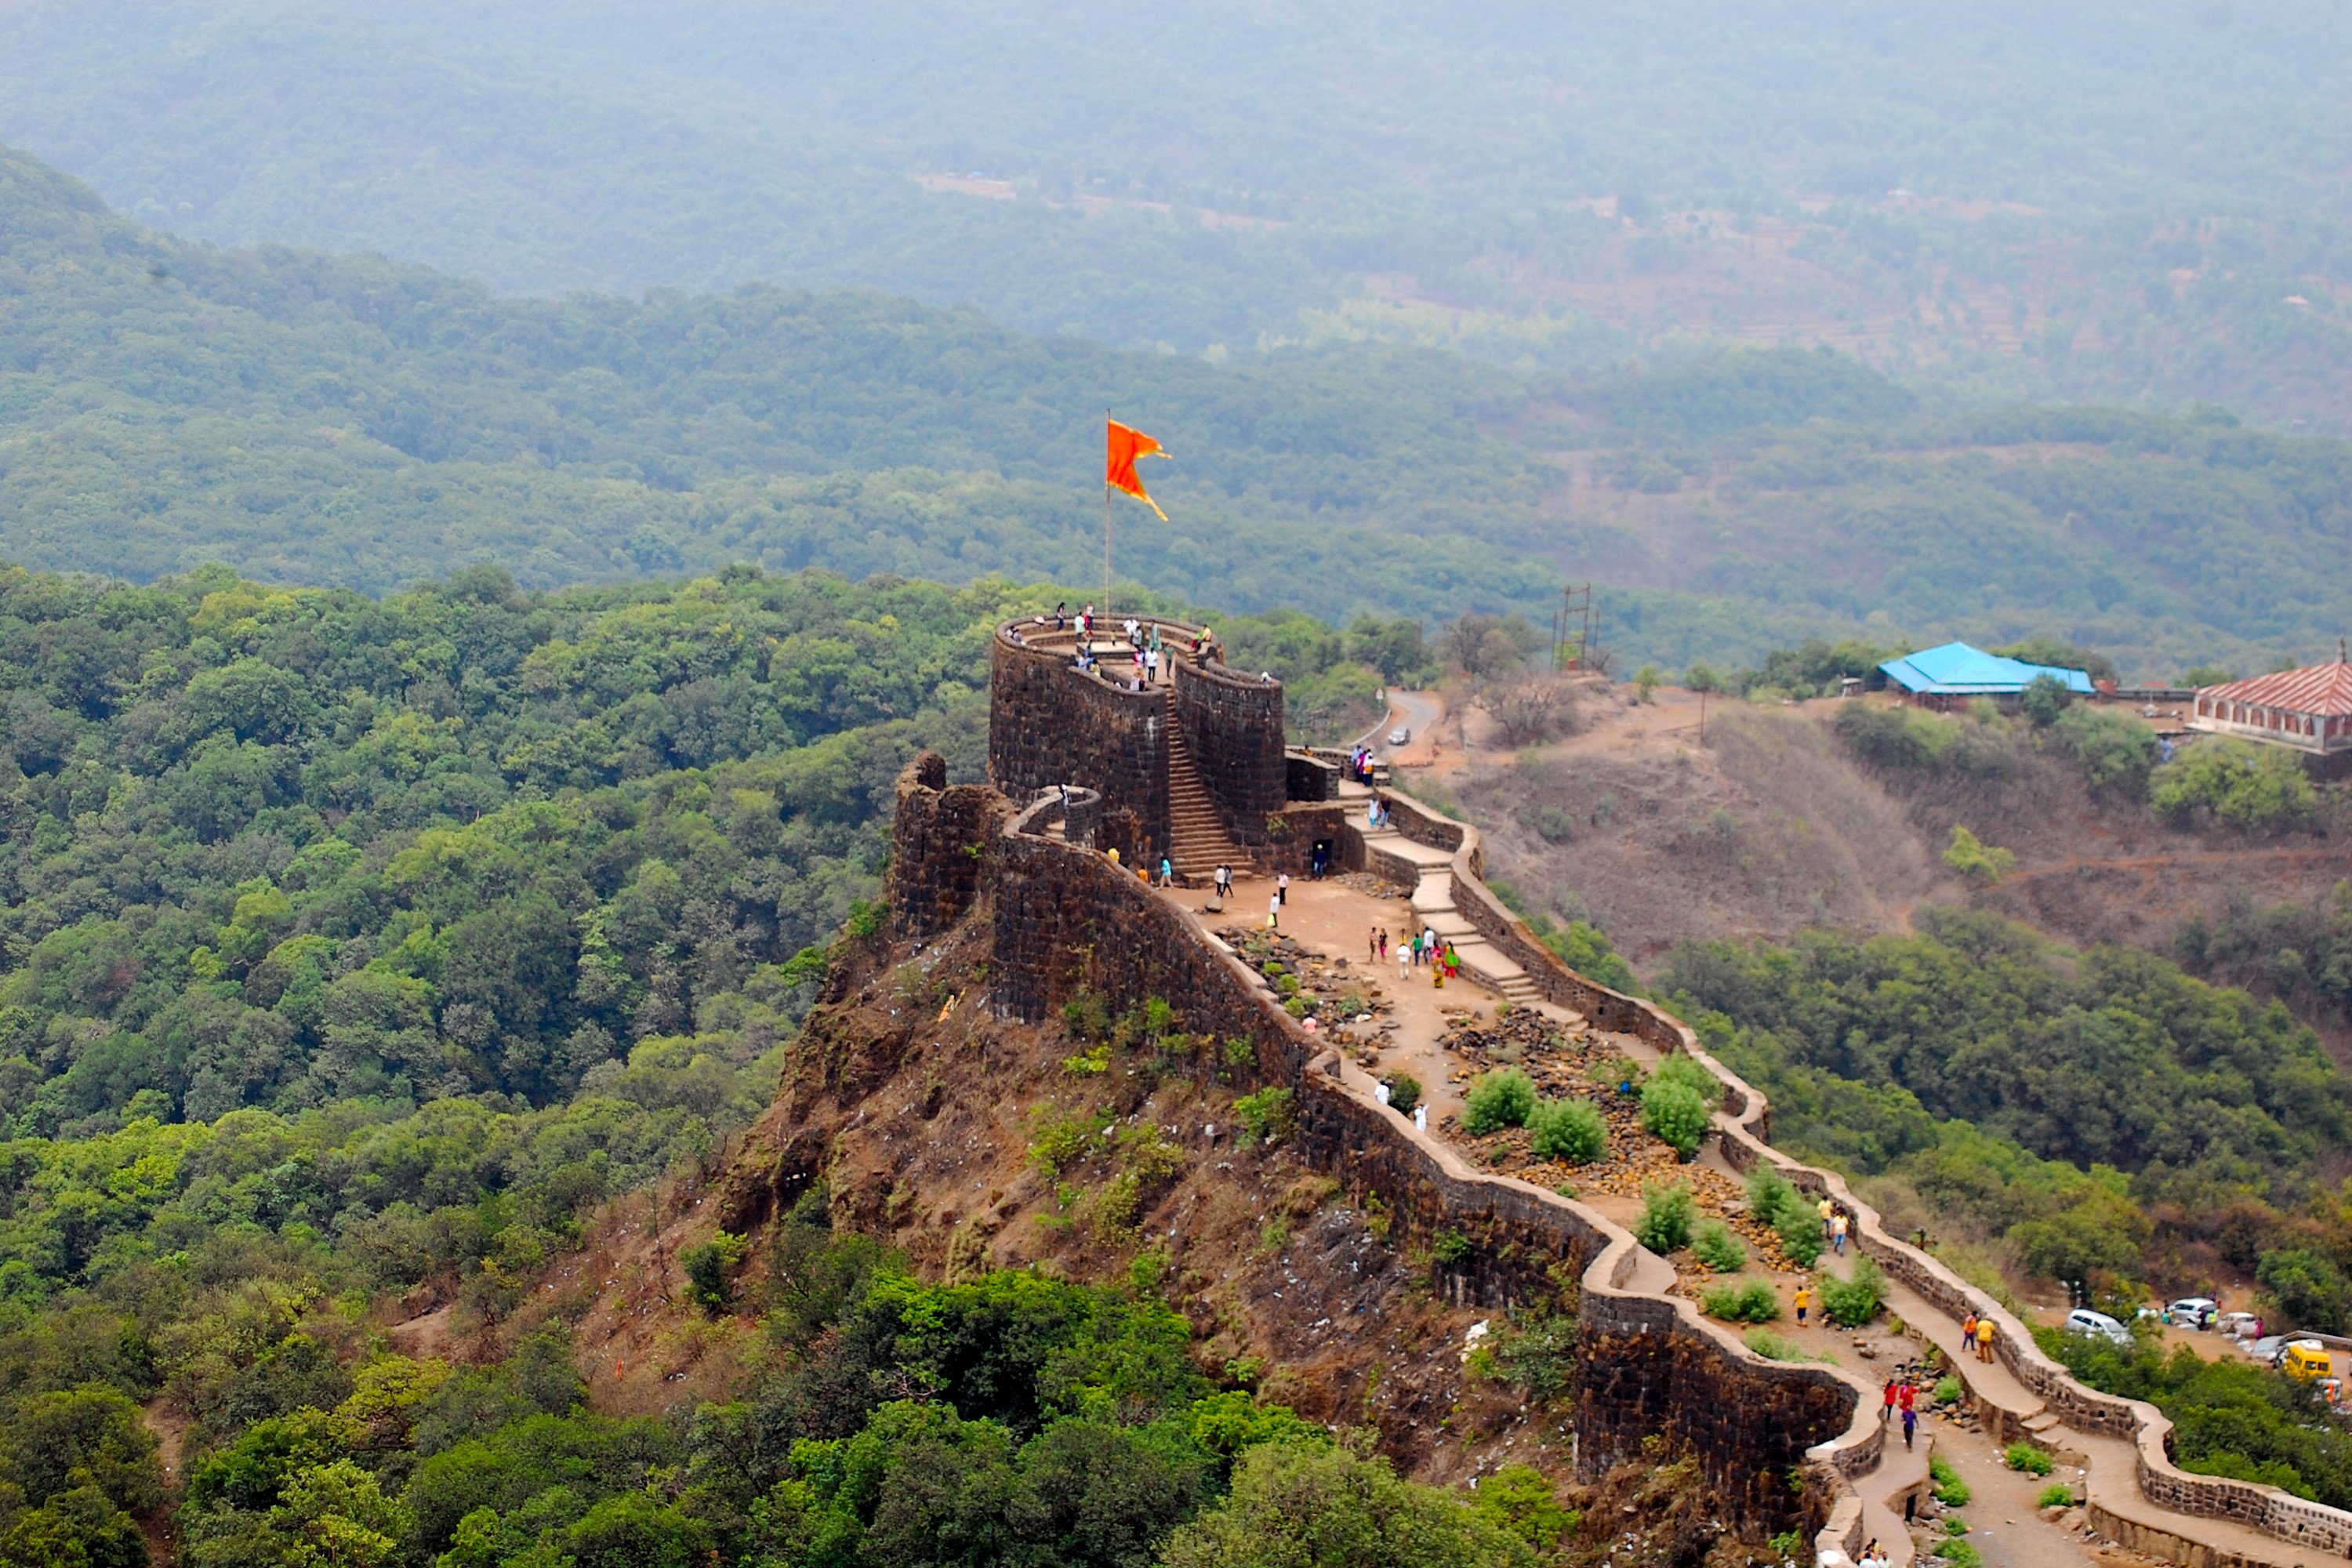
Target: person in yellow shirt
(1984,1338)
(1804,1301)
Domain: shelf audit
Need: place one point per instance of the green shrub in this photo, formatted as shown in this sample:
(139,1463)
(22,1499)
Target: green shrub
(1714,1245)
(1571,1129)
(2058,1496)
(1675,1113)
(1667,1213)
(1500,1099)
(1518,1499)
(1742,1301)
(2261,788)
(710,1269)
(1949,1391)
(2025,1457)
(1271,1115)
(1855,1299)
(1450,1247)
(1959,1554)
(1613,1075)
(1793,1219)
(1777,1347)
(1975,859)
(1950,1490)
(1404,1092)
(2116,750)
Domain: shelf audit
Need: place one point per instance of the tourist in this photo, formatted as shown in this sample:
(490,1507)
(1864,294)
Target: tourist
(1061,616)
(1380,1088)
(1317,862)
(1984,1337)
(1167,872)
(1282,889)
(1372,944)
(1910,1416)
(1273,913)
(1113,853)
(1404,961)
(1087,623)
(1384,942)
(1969,1328)
(1886,1411)
(1420,1117)
(1837,1233)
(1224,882)
(1804,1301)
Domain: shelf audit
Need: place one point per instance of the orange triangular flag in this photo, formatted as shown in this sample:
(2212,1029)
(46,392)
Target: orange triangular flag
(1119,472)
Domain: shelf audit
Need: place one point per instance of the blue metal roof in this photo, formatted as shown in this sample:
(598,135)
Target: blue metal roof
(1955,669)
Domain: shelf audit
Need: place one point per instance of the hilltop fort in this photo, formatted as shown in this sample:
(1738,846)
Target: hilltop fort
(1034,885)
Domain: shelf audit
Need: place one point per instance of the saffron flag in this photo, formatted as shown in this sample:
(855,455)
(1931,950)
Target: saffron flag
(1118,471)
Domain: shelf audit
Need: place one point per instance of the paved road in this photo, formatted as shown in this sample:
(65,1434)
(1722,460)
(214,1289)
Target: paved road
(1419,711)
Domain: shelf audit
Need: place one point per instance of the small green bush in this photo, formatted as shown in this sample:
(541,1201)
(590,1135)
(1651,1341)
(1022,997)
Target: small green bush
(710,1269)
(1499,1099)
(1741,1301)
(1571,1129)
(1450,1247)
(2058,1496)
(1271,1115)
(2025,1457)
(1674,1113)
(1950,1490)
(1713,1244)
(1950,1390)
(1777,1347)
(1405,1093)
(1855,1299)
(1686,1071)
(1667,1214)
(1960,1554)
(1613,1074)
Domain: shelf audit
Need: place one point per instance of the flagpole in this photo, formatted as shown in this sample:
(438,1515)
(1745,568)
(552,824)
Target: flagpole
(1106,509)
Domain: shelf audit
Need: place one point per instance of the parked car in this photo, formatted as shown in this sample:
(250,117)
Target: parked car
(2193,1312)
(2237,1325)
(2268,1349)
(1400,736)
(2083,1320)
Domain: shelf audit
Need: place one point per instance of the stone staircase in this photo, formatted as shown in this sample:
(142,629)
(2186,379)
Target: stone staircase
(1432,905)
(1200,841)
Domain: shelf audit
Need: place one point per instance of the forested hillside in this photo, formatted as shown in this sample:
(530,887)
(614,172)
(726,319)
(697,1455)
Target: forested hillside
(352,947)
(1565,184)
(334,419)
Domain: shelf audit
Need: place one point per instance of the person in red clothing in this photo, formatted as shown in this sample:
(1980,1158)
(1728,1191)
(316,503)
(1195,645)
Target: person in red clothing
(1909,1396)
(1887,1412)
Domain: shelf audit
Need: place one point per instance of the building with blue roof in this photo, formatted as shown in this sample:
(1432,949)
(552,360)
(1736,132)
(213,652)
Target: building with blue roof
(1956,672)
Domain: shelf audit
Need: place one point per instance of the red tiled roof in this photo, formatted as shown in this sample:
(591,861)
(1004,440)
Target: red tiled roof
(2324,688)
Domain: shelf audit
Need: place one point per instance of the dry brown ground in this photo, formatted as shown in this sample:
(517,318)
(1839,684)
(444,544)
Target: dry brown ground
(1768,825)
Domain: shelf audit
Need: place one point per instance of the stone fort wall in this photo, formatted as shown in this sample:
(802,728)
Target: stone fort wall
(1064,919)
(1050,725)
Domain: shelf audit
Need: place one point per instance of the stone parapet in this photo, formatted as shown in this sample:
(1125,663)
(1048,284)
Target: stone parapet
(1233,725)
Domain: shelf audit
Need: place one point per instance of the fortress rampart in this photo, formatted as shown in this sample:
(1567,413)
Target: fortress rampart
(1064,918)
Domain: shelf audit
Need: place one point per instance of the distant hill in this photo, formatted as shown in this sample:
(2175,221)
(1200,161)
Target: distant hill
(1570,183)
(344,420)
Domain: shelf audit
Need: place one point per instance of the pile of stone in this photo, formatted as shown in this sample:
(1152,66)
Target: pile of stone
(1348,1003)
